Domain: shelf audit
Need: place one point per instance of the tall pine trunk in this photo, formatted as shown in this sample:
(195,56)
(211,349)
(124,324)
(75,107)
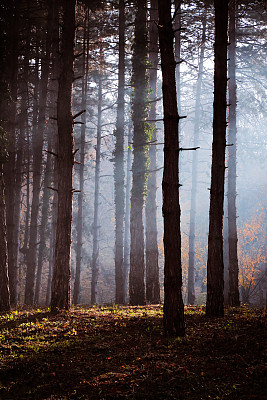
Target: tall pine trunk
(77,281)
(233,299)
(177,50)
(139,84)
(60,293)
(119,163)
(192,224)
(127,246)
(95,267)
(11,74)
(215,267)
(173,302)
(37,170)
(4,281)
(43,226)
(152,267)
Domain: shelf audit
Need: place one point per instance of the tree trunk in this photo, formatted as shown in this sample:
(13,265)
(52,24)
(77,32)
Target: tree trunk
(177,50)
(192,228)
(173,303)
(215,268)
(119,163)
(11,73)
(43,227)
(4,281)
(126,254)
(139,83)
(232,230)
(152,267)
(53,90)
(95,267)
(76,290)
(37,171)
(60,295)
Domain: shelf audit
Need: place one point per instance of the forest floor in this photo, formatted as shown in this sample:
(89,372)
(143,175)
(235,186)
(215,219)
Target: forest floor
(121,353)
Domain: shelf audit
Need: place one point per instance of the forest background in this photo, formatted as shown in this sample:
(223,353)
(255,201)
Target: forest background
(32,59)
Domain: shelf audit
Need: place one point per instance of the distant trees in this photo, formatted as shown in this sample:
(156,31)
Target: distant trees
(109,104)
(215,268)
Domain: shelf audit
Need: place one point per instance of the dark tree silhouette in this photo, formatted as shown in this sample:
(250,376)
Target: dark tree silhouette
(152,266)
(173,303)
(215,268)
(233,299)
(118,163)
(139,83)
(60,295)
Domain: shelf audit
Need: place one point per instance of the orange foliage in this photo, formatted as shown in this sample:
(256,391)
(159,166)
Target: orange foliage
(251,249)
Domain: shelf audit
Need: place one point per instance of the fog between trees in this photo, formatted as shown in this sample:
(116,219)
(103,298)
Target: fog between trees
(117,150)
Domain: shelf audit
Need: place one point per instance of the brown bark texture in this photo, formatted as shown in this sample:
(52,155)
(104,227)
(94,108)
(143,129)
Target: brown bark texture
(11,76)
(4,281)
(60,294)
(215,267)
(173,303)
(37,170)
(152,266)
(233,298)
(119,164)
(95,266)
(139,83)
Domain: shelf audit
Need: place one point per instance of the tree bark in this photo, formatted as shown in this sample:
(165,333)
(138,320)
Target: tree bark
(173,303)
(119,164)
(177,50)
(11,73)
(37,169)
(95,267)
(232,229)
(60,294)
(152,267)
(139,83)
(4,281)
(192,223)
(77,282)
(215,267)
(126,253)
(43,227)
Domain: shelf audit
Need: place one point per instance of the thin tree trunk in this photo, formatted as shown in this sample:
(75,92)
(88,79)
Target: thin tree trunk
(152,267)
(9,167)
(53,132)
(177,50)
(173,302)
(43,227)
(60,295)
(232,229)
(51,249)
(37,172)
(192,228)
(126,254)
(139,83)
(4,281)
(119,164)
(95,267)
(77,282)
(215,268)
(20,148)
